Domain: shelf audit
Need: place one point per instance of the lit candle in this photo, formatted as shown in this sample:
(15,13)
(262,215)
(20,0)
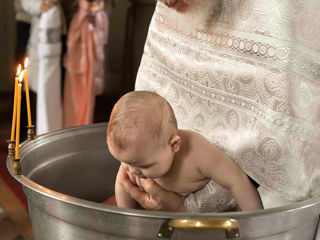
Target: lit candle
(14,115)
(18,115)
(25,77)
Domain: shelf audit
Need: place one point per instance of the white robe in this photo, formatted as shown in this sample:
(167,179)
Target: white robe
(245,74)
(44,52)
(32,7)
(49,107)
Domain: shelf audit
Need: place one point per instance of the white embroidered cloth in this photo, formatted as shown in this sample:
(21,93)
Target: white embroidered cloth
(246,75)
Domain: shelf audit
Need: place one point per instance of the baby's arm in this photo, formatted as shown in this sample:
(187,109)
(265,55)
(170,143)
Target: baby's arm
(223,170)
(123,198)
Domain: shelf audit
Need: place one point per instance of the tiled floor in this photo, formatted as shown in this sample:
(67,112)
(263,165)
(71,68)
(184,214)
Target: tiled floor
(14,220)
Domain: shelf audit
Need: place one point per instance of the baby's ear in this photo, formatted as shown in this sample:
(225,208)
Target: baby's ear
(175,143)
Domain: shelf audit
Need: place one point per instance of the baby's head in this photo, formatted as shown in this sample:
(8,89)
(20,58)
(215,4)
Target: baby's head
(142,133)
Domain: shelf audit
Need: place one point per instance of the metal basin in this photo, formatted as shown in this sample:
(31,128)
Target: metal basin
(67,173)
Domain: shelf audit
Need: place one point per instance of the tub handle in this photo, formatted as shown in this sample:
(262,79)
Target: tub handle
(231,226)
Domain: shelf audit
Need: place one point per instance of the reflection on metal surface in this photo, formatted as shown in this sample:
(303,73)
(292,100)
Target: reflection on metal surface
(11,147)
(16,166)
(30,132)
(205,223)
(165,231)
(231,226)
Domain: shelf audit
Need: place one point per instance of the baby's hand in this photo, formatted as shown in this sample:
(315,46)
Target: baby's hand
(179,5)
(138,183)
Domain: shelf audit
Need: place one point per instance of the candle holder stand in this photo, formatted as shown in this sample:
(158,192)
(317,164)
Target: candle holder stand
(16,166)
(30,132)
(11,148)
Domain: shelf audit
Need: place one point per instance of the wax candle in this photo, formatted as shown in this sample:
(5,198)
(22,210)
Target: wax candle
(18,115)
(14,115)
(25,77)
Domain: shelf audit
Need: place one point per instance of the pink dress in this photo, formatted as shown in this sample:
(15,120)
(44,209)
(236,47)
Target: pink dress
(84,62)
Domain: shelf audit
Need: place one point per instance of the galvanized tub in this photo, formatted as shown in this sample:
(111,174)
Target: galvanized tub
(65,174)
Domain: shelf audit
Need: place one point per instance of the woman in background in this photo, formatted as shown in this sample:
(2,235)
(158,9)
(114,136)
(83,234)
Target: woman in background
(84,62)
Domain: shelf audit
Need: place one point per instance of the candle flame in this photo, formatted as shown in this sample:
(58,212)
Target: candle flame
(18,70)
(21,77)
(26,62)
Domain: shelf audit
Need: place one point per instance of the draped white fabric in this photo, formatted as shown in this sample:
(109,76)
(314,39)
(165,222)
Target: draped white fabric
(245,74)
(49,108)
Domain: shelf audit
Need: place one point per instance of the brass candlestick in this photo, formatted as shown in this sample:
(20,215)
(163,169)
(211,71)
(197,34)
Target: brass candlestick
(30,132)
(11,148)
(16,166)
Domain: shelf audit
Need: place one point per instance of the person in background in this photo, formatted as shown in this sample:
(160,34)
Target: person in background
(23,20)
(84,62)
(44,51)
(34,8)
(28,14)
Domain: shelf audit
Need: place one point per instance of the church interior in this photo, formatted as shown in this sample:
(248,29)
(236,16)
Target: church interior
(233,84)
(129,21)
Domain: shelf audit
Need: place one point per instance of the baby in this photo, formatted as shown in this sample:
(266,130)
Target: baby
(143,135)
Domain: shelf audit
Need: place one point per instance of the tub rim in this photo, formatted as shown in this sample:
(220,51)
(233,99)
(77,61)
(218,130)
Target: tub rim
(27,146)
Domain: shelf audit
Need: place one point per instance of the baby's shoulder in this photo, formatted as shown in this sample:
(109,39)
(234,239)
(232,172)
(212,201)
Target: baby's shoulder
(200,144)
(192,134)
(197,138)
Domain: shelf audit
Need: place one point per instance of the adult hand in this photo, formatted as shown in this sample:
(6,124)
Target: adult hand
(45,5)
(179,5)
(154,197)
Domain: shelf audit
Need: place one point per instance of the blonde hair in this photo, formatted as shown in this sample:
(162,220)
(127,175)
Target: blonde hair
(140,114)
